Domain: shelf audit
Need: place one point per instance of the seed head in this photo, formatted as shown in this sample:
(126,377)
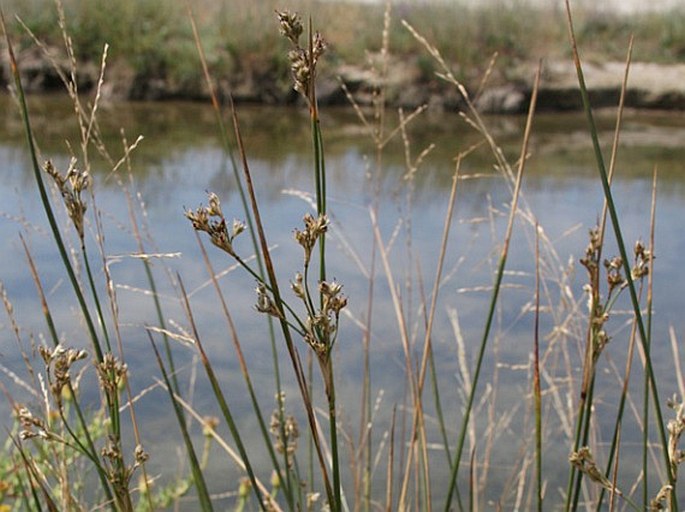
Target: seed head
(58,362)
(291,26)
(112,373)
(661,499)
(286,434)
(265,303)
(333,301)
(303,61)
(211,220)
(676,427)
(313,229)
(71,185)
(298,286)
(585,463)
(643,258)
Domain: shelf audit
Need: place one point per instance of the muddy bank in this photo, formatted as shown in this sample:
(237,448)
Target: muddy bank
(408,83)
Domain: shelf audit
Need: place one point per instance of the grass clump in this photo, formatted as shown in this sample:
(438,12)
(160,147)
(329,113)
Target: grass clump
(392,459)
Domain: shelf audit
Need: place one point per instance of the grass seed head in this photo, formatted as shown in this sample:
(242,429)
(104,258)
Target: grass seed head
(291,26)
(660,501)
(265,303)
(111,373)
(210,219)
(585,463)
(58,362)
(303,61)
(676,427)
(286,434)
(71,185)
(313,229)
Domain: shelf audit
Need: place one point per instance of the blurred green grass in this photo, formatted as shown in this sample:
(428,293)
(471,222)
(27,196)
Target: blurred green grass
(152,39)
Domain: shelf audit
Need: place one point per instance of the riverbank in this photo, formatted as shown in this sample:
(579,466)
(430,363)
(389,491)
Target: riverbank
(650,86)
(152,53)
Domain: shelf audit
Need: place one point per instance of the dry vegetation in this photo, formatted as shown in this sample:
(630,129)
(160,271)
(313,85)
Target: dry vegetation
(394,454)
(154,40)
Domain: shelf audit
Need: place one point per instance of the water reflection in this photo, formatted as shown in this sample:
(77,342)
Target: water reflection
(181,157)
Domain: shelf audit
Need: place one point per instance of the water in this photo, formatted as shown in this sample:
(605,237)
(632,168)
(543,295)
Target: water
(181,158)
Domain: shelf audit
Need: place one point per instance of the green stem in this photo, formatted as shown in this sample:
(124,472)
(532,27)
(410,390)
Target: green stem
(332,417)
(495,295)
(582,435)
(285,327)
(626,265)
(198,477)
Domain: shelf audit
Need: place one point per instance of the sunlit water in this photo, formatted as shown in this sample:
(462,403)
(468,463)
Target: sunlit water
(181,158)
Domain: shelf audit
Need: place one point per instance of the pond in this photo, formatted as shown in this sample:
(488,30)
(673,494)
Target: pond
(181,157)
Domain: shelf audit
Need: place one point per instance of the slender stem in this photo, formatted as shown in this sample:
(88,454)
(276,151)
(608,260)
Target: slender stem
(96,299)
(219,395)
(626,265)
(495,295)
(333,422)
(243,198)
(284,482)
(55,340)
(198,477)
(28,132)
(285,328)
(536,376)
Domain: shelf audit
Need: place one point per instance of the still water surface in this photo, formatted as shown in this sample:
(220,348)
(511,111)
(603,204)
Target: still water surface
(181,158)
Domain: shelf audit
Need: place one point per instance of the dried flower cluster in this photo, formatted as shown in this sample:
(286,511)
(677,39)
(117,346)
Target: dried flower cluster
(118,473)
(660,501)
(676,456)
(676,427)
(313,230)
(585,463)
(643,257)
(211,220)
(265,304)
(303,61)
(71,185)
(321,325)
(34,427)
(58,363)
(599,309)
(285,434)
(112,374)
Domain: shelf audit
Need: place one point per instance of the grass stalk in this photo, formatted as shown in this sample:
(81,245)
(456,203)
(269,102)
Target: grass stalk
(326,361)
(427,357)
(54,228)
(536,377)
(495,293)
(198,477)
(95,342)
(35,481)
(650,296)
(613,450)
(624,255)
(285,328)
(89,451)
(96,300)
(219,395)
(246,210)
(285,482)
(587,394)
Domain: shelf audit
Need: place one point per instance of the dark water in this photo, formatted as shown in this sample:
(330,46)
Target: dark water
(181,158)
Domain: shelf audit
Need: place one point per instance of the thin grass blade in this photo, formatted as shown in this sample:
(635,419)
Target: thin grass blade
(198,477)
(624,255)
